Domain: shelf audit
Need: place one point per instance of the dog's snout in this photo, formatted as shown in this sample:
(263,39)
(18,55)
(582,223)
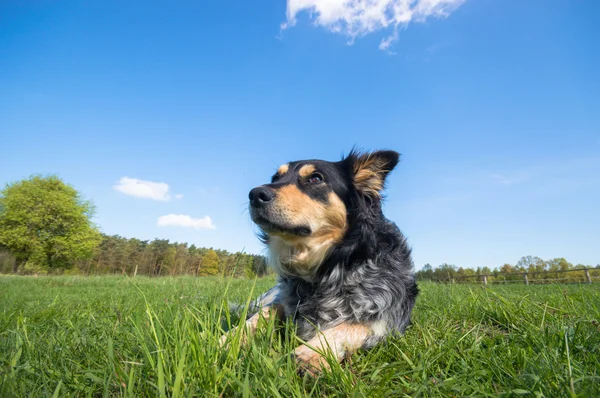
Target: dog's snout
(260,196)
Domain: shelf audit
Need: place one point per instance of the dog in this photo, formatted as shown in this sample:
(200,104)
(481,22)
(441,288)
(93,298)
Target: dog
(345,272)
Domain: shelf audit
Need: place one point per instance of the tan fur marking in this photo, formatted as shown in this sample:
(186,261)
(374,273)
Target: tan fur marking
(369,174)
(294,203)
(306,170)
(341,341)
(265,313)
(302,254)
(283,169)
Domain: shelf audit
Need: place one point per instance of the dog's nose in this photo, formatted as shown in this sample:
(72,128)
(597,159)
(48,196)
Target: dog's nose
(260,196)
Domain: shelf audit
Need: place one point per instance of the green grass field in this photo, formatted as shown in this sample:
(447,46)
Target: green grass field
(116,336)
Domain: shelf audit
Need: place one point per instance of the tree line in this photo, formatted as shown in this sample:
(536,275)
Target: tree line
(536,268)
(159,257)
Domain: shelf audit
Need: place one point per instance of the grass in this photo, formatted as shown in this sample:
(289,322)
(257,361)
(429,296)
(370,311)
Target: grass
(115,336)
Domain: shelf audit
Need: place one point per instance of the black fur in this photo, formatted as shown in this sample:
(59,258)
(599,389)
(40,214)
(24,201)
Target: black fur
(367,277)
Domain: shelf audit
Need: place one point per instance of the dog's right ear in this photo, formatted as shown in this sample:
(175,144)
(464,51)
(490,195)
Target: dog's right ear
(369,170)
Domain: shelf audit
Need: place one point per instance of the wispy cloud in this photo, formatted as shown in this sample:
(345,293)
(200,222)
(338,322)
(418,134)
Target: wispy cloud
(355,18)
(183,220)
(546,172)
(482,179)
(144,189)
(385,44)
(508,179)
(211,192)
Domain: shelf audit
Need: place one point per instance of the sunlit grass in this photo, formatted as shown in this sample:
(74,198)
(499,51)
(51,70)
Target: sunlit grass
(115,336)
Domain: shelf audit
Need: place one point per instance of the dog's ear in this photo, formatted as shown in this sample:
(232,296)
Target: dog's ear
(369,170)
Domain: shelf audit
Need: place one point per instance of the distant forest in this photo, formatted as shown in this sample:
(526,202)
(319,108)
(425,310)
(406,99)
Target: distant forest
(159,257)
(536,268)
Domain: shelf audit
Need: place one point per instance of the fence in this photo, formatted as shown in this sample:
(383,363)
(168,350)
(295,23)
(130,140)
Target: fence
(580,275)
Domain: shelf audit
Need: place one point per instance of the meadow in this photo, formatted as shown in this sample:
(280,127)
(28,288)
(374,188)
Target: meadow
(117,336)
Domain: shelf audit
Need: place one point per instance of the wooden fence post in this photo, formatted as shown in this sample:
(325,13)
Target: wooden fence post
(526,279)
(453,281)
(485,279)
(587,276)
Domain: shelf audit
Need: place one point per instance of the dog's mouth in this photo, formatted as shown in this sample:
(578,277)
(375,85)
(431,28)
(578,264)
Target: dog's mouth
(275,227)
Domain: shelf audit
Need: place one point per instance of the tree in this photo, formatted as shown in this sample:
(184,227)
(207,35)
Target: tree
(559,264)
(259,265)
(507,269)
(210,263)
(45,223)
(531,264)
(159,249)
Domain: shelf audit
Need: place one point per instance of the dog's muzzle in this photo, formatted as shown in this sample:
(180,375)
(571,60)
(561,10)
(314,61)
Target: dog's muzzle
(261,196)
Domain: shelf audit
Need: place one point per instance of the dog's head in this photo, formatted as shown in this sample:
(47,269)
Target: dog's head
(311,205)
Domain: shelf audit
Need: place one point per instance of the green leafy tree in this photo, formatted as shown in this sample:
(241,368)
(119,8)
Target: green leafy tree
(159,249)
(210,263)
(249,270)
(259,265)
(46,224)
(507,268)
(530,264)
(559,264)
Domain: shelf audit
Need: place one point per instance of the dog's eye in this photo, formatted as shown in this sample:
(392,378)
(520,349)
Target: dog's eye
(315,178)
(274,178)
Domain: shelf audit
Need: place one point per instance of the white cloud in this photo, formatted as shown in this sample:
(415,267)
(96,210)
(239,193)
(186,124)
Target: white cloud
(143,189)
(178,196)
(385,44)
(354,18)
(183,220)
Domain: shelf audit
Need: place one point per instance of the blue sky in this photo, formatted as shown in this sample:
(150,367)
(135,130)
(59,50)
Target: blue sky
(494,106)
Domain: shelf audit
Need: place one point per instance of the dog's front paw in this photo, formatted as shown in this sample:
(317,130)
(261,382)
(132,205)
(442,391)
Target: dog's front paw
(309,361)
(230,334)
(224,339)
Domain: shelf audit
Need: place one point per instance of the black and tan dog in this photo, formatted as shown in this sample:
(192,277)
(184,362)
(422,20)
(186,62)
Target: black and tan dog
(345,271)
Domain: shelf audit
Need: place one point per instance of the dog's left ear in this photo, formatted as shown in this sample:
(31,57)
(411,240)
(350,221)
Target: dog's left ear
(371,169)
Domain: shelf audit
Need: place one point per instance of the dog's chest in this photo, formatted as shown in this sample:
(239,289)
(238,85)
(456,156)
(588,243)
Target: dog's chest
(330,303)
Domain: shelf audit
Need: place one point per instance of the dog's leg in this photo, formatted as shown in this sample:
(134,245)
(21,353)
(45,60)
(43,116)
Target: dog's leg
(268,305)
(341,341)
(269,298)
(251,325)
